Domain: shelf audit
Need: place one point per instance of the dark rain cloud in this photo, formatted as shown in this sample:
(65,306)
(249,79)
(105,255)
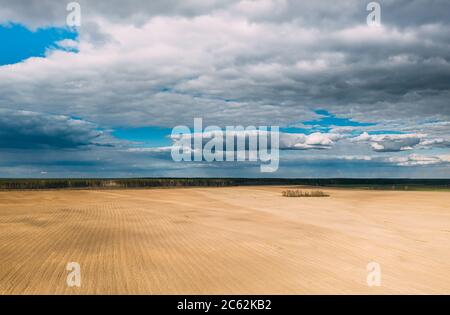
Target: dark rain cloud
(31,130)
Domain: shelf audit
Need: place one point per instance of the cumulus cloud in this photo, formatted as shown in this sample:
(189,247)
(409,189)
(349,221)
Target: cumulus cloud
(417,159)
(436,143)
(315,140)
(287,141)
(390,142)
(356,157)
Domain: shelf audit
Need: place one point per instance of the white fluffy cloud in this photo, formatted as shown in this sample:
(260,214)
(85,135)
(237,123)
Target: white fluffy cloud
(390,142)
(436,143)
(287,141)
(315,140)
(417,159)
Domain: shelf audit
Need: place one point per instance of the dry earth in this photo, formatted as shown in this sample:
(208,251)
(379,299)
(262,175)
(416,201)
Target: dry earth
(223,240)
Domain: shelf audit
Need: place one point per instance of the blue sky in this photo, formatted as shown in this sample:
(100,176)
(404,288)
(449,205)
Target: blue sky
(356,101)
(20,43)
(324,123)
(145,136)
(154,136)
(328,120)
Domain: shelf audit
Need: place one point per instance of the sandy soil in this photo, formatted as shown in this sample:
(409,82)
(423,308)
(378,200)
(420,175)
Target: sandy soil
(224,240)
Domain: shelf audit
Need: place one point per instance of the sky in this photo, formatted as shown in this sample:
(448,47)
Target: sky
(101,99)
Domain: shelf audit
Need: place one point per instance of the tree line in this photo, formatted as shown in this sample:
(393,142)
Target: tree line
(397,184)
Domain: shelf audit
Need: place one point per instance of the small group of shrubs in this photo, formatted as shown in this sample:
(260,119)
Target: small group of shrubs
(299,193)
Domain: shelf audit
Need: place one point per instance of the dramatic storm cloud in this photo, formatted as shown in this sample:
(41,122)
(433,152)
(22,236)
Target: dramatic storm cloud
(30,130)
(315,69)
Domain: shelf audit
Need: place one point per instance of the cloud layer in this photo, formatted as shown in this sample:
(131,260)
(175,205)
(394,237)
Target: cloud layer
(239,62)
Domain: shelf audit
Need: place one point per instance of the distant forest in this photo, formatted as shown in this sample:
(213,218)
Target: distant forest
(395,184)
